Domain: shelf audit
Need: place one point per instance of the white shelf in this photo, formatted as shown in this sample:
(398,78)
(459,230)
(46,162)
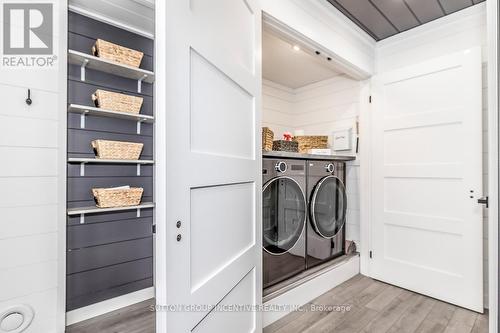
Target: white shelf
(103,65)
(103,161)
(94,210)
(90,110)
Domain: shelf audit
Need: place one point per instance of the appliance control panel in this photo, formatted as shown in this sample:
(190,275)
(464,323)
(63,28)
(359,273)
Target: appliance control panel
(281,166)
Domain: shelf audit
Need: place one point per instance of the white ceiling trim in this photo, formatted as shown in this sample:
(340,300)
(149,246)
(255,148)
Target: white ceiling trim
(110,21)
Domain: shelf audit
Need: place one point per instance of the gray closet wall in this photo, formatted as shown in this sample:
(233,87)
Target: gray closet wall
(111,254)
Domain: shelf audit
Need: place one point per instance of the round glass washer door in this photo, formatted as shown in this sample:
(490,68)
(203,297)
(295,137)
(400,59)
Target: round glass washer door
(328,207)
(284,215)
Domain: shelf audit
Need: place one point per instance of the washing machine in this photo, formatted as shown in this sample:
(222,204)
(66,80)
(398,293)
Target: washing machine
(327,208)
(284,218)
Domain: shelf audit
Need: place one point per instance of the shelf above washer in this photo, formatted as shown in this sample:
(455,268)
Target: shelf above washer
(82,211)
(301,156)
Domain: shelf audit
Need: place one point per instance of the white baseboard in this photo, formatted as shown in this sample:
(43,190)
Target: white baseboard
(94,310)
(311,289)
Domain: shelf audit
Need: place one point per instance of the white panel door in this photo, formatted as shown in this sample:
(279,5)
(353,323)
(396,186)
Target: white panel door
(213,249)
(426,230)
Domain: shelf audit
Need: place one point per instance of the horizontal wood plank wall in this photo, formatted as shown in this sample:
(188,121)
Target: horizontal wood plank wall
(111,254)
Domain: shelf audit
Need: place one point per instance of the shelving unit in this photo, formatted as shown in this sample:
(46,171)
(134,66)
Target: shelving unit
(103,65)
(91,229)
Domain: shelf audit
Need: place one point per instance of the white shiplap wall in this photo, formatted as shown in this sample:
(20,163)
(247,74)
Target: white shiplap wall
(32,187)
(318,109)
(277,108)
(453,33)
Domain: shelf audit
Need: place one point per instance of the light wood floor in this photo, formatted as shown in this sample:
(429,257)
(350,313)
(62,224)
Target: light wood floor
(377,307)
(137,318)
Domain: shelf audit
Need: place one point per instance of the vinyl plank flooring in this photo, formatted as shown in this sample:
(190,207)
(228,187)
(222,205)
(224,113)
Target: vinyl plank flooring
(306,319)
(384,298)
(391,313)
(481,324)
(437,319)
(328,323)
(413,316)
(358,305)
(137,318)
(344,291)
(284,321)
(354,321)
(373,306)
(462,321)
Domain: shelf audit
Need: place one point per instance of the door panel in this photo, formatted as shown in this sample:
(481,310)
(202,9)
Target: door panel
(220,320)
(213,164)
(214,95)
(427,177)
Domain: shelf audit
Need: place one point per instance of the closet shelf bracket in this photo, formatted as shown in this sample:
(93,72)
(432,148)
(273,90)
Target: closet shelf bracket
(82,169)
(82,119)
(139,83)
(138,131)
(82,69)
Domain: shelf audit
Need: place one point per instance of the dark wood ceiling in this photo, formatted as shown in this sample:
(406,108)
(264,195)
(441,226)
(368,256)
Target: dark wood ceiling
(385,18)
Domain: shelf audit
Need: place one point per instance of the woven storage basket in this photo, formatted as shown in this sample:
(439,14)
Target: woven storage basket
(283,145)
(117,150)
(311,142)
(117,53)
(110,197)
(117,102)
(267,139)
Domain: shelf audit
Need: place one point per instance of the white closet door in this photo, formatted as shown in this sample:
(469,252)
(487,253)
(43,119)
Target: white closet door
(427,178)
(213,164)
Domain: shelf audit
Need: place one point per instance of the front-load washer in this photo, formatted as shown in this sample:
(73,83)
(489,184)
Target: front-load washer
(327,206)
(284,218)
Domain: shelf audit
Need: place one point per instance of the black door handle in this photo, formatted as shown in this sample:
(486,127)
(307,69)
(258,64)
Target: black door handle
(484,201)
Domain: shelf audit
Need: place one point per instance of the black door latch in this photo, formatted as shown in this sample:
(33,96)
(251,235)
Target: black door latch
(484,201)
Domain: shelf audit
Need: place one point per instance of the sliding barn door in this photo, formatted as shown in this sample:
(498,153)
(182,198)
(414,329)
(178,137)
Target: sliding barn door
(213,165)
(427,177)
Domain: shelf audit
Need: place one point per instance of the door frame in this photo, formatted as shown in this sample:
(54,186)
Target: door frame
(493,171)
(160,186)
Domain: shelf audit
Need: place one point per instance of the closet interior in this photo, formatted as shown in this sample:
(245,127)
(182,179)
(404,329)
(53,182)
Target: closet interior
(110,167)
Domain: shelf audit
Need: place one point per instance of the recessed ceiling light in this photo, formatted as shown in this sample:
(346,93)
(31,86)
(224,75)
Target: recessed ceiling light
(296,48)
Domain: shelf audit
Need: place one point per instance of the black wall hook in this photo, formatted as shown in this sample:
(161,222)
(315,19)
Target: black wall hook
(28,100)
